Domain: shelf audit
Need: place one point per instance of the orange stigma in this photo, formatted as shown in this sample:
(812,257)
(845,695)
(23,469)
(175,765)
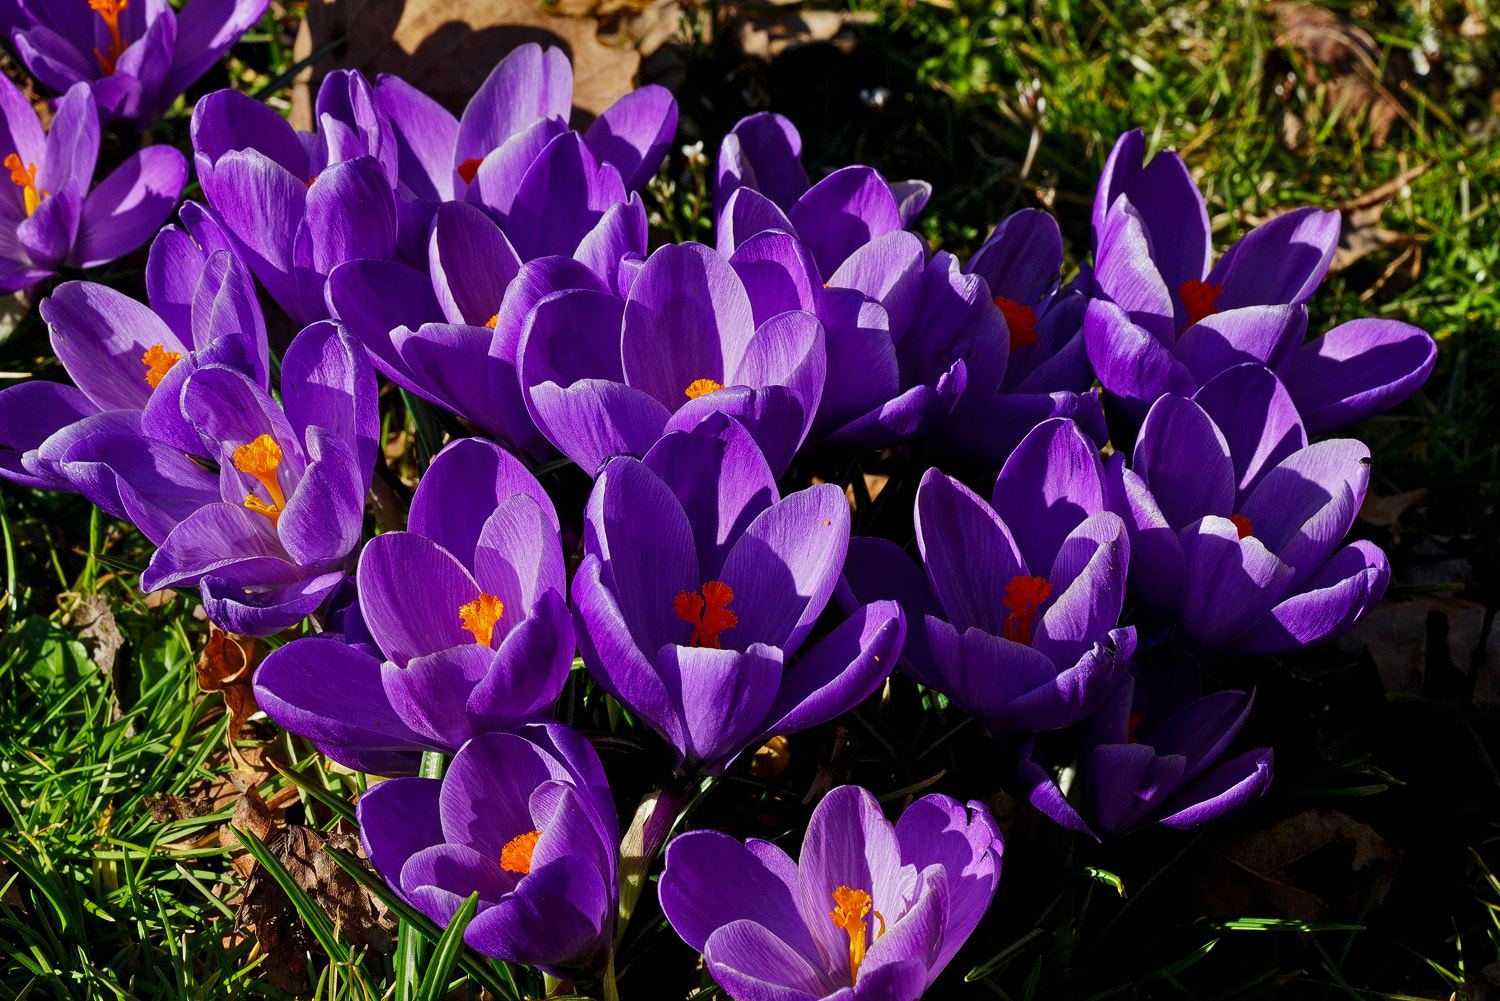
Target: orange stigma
(25,179)
(853,906)
(158,361)
(480,615)
(110,11)
(1199,298)
(702,387)
(1019,320)
(311,181)
(469,169)
(709,614)
(493,321)
(516,855)
(1243,526)
(1135,721)
(1023,596)
(259,459)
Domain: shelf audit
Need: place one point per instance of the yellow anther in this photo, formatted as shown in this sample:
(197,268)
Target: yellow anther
(853,906)
(158,361)
(480,615)
(702,387)
(260,459)
(516,855)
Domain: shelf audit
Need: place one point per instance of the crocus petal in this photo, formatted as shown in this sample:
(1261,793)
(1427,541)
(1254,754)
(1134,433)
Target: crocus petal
(724,694)
(1336,597)
(1230,582)
(261,203)
(1167,200)
(1127,781)
(331,693)
(1269,335)
(1358,369)
(129,206)
(751,962)
(1281,261)
(451,362)
(351,214)
(564,194)
(464,484)
(619,236)
(529,83)
(426,134)
(878,569)
(966,841)
(30,413)
(1158,568)
(373,298)
(1088,578)
(888,270)
(748,214)
(530,669)
(411,591)
(1184,460)
(633,133)
(848,843)
(205,31)
(1050,484)
(210,541)
(778,273)
(969,553)
(328,383)
(155,486)
(1129,361)
(1304,507)
(912,197)
(712,880)
(430,694)
(20,129)
(254,610)
(571,335)
(1022,258)
(783,569)
(774,415)
(322,519)
(1126,272)
(764,152)
(471,263)
(1227,789)
(498,178)
(397,819)
(223,304)
(842,212)
(228,120)
(1253,410)
(553,920)
(100,336)
(594,419)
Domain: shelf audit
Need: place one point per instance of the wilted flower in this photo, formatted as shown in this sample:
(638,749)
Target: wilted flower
(135,57)
(1235,520)
(525,819)
(462,624)
(872,906)
(1015,619)
(51,218)
(1151,758)
(700,583)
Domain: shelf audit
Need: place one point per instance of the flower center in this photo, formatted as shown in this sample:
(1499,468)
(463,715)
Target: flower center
(702,387)
(516,855)
(1023,596)
(1019,320)
(708,615)
(469,169)
(109,11)
(852,907)
(480,615)
(1243,526)
(158,361)
(1199,298)
(25,179)
(259,459)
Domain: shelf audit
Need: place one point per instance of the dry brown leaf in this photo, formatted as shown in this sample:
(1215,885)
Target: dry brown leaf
(227,665)
(169,807)
(1355,85)
(771,758)
(768,37)
(446,48)
(1303,869)
(1386,511)
(1396,636)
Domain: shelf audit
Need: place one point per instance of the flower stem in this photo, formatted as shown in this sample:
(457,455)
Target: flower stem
(643,841)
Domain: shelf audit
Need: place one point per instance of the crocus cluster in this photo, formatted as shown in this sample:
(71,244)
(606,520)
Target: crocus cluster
(499,265)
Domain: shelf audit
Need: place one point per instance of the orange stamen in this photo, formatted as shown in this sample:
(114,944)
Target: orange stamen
(311,181)
(480,615)
(853,906)
(158,361)
(516,855)
(259,459)
(25,179)
(708,615)
(110,11)
(469,169)
(1023,596)
(702,387)
(492,321)
(1242,525)
(1019,320)
(1199,298)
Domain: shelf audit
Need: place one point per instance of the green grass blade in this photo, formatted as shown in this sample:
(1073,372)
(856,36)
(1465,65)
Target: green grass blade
(435,983)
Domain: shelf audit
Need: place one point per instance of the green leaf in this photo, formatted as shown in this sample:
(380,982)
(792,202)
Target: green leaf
(1106,877)
(435,983)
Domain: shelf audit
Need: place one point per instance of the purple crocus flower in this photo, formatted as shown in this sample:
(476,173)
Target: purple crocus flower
(1015,617)
(291,486)
(526,820)
(1163,321)
(136,57)
(128,363)
(603,375)
(699,585)
(50,217)
(512,154)
(461,626)
(299,205)
(1151,759)
(450,333)
(760,184)
(872,911)
(1235,520)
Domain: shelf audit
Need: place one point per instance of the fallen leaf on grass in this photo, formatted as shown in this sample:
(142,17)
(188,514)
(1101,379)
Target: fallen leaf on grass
(1386,511)
(1355,87)
(169,807)
(1305,868)
(227,666)
(446,48)
(1397,637)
